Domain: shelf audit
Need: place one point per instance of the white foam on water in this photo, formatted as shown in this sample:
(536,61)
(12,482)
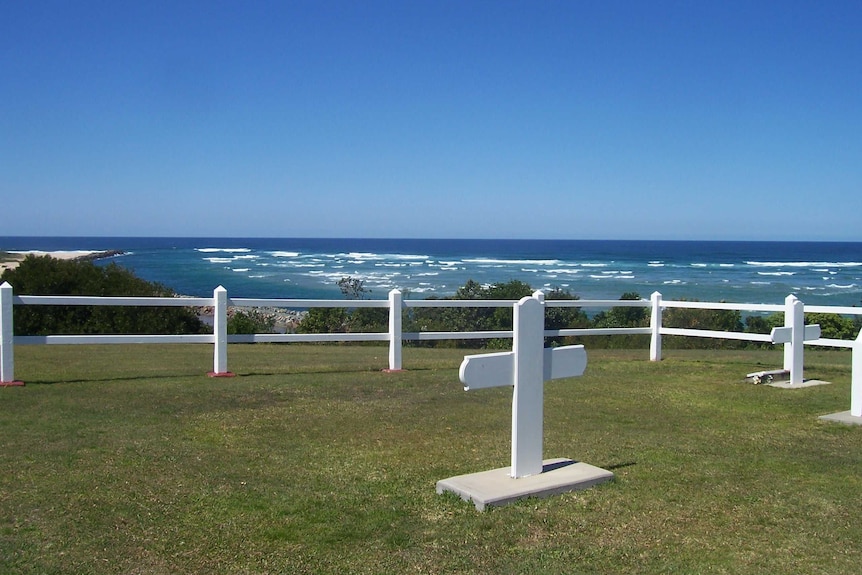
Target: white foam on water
(805,264)
(224,250)
(504,262)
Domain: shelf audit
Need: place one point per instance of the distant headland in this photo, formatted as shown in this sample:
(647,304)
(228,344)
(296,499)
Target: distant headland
(10,260)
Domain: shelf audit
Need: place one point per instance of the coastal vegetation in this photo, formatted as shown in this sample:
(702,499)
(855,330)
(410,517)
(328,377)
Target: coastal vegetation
(325,320)
(128,459)
(44,275)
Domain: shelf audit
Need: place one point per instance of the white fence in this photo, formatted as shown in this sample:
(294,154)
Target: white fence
(793,311)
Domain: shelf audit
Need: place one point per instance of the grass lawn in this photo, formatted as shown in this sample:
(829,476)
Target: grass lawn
(128,459)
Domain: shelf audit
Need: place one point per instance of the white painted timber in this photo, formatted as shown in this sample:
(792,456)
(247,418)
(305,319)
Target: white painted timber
(497,369)
(394,335)
(220,331)
(793,335)
(715,334)
(854,416)
(7,346)
(110,339)
(655,327)
(526,368)
(113,301)
(856,383)
(785,334)
(305,337)
(395,304)
(722,305)
(487,370)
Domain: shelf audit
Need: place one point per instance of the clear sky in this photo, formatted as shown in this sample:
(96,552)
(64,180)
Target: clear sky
(646,119)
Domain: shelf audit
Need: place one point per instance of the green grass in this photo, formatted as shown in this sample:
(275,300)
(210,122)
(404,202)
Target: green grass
(128,459)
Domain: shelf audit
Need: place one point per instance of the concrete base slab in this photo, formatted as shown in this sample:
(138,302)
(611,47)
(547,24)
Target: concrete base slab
(805,383)
(498,487)
(842,417)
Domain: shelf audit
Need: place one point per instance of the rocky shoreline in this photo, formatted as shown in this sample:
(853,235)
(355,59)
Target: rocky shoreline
(284,320)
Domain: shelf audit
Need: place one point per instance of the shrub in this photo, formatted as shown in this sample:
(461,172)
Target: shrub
(249,322)
(44,275)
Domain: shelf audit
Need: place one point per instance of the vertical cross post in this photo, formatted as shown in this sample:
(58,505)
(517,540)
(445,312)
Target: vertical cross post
(794,318)
(528,397)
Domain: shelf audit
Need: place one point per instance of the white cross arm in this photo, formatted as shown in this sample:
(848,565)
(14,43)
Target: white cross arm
(498,369)
(783,334)
(487,370)
(568,361)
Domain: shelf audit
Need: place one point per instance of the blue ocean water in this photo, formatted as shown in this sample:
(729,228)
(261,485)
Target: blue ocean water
(819,273)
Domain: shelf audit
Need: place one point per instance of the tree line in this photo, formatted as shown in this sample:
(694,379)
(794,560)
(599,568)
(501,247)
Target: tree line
(325,320)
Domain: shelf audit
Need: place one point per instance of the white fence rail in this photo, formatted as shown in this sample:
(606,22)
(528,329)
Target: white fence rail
(793,309)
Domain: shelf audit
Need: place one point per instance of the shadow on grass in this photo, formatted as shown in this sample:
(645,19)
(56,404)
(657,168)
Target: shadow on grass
(161,377)
(618,465)
(203,374)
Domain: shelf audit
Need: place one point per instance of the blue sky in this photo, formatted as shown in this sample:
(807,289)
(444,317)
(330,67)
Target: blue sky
(475,119)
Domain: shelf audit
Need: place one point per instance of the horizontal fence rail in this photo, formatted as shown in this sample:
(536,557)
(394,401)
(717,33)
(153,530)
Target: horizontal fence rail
(395,335)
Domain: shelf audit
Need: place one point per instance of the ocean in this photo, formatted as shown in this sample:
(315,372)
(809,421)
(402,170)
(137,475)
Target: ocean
(818,273)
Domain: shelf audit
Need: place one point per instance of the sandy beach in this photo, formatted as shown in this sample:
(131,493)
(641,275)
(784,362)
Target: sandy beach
(18,256)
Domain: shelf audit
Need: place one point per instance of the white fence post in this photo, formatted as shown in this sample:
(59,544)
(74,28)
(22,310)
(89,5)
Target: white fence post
(395,338)
(856,375)
(7,335)
(220,334)
(655,325)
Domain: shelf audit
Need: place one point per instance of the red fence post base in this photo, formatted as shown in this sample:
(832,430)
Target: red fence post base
(15,383)
(222,374)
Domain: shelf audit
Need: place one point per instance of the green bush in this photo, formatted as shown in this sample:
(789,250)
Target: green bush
(44,275)
(249,322)
(703,319)
(424,319)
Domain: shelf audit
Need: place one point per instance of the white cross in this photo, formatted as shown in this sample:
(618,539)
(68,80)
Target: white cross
(526,368)
(795,335)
